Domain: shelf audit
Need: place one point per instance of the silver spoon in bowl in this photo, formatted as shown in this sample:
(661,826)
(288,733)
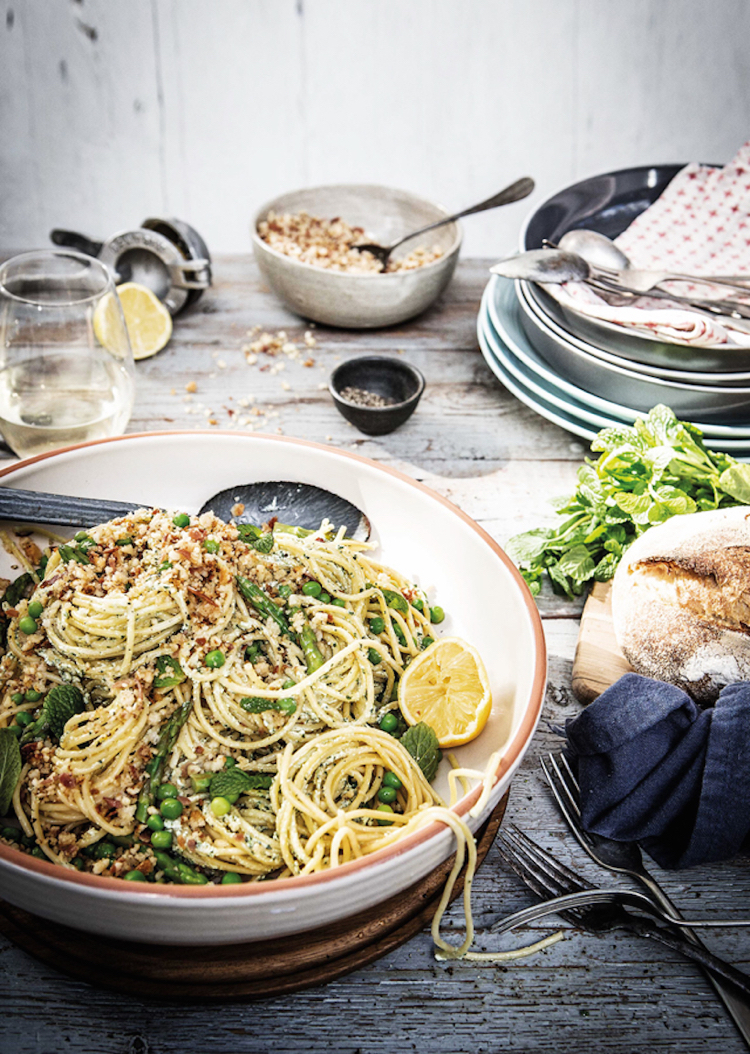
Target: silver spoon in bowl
(515,192)
(294,504)
(603,255)
(556,266)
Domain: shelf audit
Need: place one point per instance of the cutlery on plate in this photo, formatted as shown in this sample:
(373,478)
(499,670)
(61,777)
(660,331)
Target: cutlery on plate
(548,877)
(294,504)
(515,192)
(604,256)
(625,858)
(554,266)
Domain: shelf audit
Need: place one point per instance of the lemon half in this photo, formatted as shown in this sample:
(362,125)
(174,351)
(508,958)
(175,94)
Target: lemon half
(447,687)
(148,321)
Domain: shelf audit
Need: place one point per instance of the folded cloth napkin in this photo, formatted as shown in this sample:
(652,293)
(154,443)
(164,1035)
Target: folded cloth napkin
(655,769)
(700,224)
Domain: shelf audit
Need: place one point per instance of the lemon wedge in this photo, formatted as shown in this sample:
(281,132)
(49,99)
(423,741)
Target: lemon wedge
(447,687)
(147,319)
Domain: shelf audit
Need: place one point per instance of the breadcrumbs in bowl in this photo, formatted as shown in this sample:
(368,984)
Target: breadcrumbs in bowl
(304,245)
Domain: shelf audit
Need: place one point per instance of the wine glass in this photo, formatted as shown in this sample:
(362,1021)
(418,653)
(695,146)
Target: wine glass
(66,366)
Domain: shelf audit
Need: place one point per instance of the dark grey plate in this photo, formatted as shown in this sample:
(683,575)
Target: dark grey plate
(609,203)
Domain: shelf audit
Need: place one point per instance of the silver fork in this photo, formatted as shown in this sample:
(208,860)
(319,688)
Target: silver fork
(625,858)
(547,877)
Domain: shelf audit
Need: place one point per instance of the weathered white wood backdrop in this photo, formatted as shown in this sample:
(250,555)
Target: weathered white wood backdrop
(204,109)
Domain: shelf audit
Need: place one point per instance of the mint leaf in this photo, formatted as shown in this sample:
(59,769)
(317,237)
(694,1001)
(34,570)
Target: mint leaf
(735,481)
(577,563)
(61,703)
(422,743)
(395,601)
(168,672)
(231,783)
(10,768)
(255,538)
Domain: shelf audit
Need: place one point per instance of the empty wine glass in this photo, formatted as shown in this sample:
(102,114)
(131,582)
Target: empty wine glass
(66,367)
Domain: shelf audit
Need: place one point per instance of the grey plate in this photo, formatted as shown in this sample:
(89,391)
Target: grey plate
(609,203)
(561,412)
(502,313)
(540,327)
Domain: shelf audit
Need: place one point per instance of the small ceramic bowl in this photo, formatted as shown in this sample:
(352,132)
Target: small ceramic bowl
(391,379)
(361,301)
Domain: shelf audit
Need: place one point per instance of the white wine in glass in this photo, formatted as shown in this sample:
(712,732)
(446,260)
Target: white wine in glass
(66,367)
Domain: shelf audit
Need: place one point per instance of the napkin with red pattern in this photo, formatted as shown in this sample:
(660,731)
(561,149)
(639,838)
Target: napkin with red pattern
(700,225)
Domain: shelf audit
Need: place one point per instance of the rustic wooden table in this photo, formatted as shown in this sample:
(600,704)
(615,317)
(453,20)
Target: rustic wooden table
(473,442)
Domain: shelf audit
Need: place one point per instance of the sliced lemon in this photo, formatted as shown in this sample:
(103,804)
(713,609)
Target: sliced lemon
(447,687)
(148,321)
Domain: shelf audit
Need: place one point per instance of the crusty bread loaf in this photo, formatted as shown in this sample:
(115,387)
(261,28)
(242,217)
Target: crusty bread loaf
(681,601)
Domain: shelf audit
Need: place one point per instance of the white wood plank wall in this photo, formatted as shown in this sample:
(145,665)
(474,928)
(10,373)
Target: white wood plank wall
(112,110)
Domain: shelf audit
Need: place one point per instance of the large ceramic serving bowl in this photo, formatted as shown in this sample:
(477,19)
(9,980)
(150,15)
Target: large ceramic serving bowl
(361,301)
(421,534)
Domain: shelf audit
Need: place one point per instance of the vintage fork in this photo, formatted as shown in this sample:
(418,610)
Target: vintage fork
(625,858)
(548,877)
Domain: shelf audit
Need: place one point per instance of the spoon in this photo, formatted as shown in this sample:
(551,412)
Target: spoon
(294,504)
(603,255)
(556,266)
(515,192)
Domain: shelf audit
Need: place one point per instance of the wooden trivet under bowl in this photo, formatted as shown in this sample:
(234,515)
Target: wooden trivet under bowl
(240,972)
(598,661)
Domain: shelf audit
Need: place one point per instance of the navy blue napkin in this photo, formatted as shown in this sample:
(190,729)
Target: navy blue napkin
(655,769)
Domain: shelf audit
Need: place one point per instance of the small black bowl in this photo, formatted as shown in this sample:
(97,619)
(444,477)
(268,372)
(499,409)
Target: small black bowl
(392,379)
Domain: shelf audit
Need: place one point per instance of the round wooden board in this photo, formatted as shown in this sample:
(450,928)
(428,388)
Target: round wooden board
(241,972)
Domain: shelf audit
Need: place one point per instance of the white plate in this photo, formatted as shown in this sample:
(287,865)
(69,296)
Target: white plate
(504,313)
(421,534)
(564,411)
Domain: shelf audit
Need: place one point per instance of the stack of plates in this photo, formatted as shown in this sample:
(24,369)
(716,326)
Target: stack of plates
(586,376)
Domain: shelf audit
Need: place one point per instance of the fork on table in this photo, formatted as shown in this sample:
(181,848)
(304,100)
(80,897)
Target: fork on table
(579,904)
(625,858)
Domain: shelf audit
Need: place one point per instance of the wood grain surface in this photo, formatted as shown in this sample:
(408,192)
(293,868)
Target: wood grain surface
(598,661)
(471,441)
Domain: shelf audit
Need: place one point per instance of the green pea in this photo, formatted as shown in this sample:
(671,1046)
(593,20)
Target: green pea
(324,598)
(24,719)
(171,808)
(312,589)
(134,876)
(215,659)
(35,609)
(11,834)
(15,730)
(286,706)
(202,783)
(27,624)
(220,806)
(436,614)
(338,602)
(229,763)
(387,794)
(155,822)
(231,878)
(377,625)
(166,790)
(17,698)
(161,839)
(32,695)
(125,540)
(38,853)
(253,652)
(211,545)
(390,779)
(181,520)
(385,809)
(427,641)
(373,656)
(418,604)
(399,634)
(285,591)
(388,722)
(288,683)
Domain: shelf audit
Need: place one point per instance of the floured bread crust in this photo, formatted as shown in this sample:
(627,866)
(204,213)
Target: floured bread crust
(681,601)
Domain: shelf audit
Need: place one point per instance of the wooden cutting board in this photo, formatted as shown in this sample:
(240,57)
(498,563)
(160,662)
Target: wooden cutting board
(598,661)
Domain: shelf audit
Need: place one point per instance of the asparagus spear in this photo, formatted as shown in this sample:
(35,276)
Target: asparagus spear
(155,767)
(263,604)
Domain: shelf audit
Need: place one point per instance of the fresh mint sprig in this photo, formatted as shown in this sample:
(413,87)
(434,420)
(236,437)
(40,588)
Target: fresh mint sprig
(645,474)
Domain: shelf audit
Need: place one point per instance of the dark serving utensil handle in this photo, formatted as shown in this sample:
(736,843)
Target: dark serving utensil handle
(715,965)
(73,240)
(31,506)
